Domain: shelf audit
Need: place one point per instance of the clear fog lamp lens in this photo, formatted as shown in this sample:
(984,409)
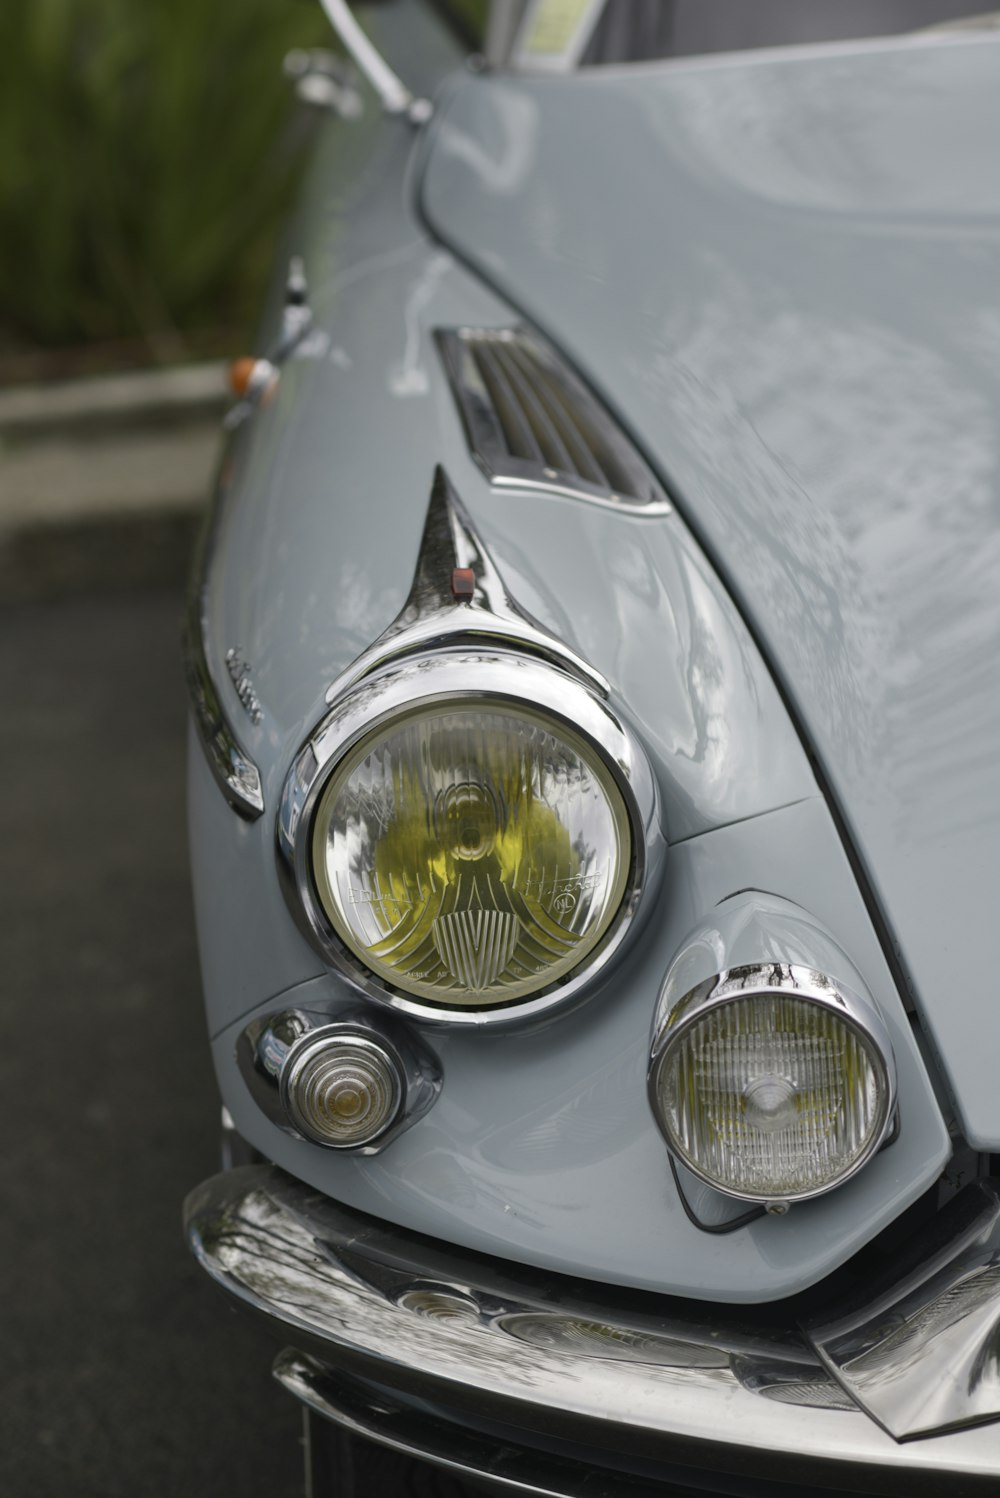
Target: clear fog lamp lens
(471,855)
(343,1090)
(772,1096)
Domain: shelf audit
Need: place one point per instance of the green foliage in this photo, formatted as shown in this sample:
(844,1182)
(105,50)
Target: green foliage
(471,16)
(148,151)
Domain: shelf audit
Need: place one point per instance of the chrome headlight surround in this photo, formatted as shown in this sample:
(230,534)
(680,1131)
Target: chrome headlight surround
(782,980)
(449,677)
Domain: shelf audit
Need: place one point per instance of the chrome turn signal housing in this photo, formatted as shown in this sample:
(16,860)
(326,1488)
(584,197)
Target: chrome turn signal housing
(773,1083)
(340,1089)
(348,1079)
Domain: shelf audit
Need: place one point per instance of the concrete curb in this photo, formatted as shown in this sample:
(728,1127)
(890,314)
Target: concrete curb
(120,447)
(145,398)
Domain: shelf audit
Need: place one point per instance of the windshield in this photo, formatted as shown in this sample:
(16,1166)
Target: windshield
(561,34)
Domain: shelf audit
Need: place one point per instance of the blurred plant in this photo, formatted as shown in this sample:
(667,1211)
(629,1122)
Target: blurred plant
(147,154)
(472,16)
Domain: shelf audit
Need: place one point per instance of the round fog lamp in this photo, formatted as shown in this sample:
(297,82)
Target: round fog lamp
(341,1090)
(772,1084)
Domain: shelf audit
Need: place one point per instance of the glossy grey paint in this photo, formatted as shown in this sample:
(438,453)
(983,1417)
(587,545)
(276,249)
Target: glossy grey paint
(541,1149)
(329,488)
(323,500)
(783,270)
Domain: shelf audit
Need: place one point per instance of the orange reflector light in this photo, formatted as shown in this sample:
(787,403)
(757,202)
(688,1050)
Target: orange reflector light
(240,374)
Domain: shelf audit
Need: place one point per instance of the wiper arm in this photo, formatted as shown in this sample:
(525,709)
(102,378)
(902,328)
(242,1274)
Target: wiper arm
(392,92)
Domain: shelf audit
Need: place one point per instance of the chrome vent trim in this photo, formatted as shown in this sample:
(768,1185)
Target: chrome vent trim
(531,423)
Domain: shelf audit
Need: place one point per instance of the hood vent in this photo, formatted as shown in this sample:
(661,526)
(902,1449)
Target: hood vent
(532,424)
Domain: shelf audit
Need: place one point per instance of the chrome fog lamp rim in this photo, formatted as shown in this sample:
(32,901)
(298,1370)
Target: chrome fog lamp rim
(366,1047)
(448,678)
(779,980)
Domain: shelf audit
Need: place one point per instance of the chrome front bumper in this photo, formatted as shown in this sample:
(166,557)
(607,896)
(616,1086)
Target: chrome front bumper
(491,1369)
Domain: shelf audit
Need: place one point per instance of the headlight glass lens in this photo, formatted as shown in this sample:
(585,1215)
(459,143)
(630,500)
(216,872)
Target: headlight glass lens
(471,855)
(772,1096)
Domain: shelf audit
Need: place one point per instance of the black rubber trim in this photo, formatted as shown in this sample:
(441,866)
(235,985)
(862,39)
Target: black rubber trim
(734,1223)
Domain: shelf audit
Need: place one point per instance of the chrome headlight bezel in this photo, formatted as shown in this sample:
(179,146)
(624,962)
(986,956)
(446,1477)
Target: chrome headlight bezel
(760,980)
(449,677)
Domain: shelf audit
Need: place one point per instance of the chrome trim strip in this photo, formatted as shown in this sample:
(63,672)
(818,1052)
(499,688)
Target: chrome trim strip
(432,616)
(542,393)
(628,1376)
(502,24)
(513,482)
(235,772)
(464,1452)
(921,1351)
(675,1016)
(237,775)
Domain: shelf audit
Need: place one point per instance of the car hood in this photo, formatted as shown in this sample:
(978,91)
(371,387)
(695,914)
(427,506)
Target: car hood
(783,272)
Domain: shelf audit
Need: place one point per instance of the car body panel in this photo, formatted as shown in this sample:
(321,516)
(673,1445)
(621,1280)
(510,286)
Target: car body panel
(330,484)
(322,501)
(541,1147)
(783,272)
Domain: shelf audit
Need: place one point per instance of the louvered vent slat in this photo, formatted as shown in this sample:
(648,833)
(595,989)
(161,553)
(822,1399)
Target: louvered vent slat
(517,428)
(580,455)
(603,456)
(551,445)
(532,423)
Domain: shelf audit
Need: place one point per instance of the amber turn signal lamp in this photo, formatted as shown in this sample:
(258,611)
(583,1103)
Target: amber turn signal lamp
(240,374)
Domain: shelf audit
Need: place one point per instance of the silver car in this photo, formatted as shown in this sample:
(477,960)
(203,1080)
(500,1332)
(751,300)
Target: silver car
(594,659)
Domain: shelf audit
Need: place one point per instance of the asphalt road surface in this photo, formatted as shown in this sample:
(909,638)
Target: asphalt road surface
(123,1371)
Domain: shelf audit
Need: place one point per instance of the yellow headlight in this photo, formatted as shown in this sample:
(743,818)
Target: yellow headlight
(471,855)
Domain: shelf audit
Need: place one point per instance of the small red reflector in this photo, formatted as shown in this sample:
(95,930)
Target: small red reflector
(463,582)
